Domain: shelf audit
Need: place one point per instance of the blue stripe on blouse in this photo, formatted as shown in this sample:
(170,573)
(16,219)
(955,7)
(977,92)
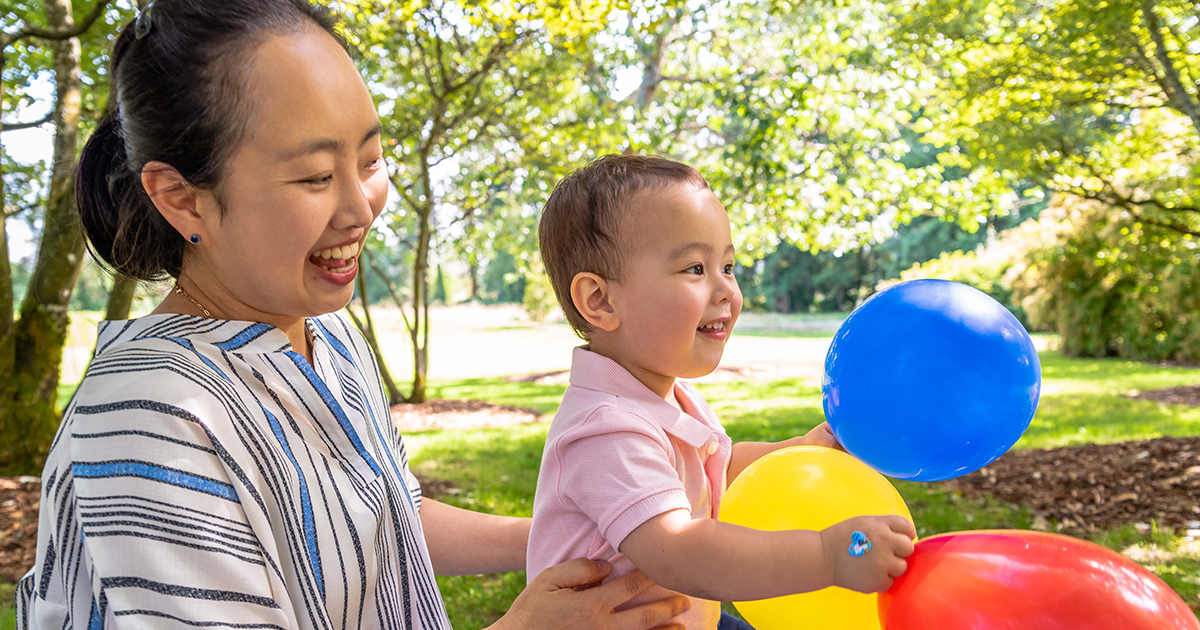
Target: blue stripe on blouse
(310,528)
(156,473)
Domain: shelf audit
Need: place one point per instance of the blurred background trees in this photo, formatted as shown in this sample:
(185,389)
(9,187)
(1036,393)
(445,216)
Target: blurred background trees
(1044,152)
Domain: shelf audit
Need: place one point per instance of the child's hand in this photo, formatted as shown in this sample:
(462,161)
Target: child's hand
(873,570)
(821,435)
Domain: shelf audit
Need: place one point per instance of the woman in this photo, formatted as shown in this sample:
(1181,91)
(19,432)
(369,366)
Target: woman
(228,460)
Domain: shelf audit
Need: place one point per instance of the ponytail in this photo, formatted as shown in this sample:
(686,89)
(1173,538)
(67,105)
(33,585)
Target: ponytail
(125,232)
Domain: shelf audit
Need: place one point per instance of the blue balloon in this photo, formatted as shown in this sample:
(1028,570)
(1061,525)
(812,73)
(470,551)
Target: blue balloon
(930,380)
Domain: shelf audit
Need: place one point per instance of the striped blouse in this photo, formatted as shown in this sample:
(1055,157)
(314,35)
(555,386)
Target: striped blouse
(207,476)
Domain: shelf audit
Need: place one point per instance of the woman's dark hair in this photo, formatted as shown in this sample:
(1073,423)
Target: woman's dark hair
(178,97)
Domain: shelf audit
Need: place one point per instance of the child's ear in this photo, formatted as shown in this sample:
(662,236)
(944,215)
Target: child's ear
(589,292)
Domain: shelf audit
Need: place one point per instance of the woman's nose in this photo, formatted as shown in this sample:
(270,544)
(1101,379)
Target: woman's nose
(356,209)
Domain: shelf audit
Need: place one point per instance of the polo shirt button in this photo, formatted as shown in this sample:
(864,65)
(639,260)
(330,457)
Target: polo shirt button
(712,448)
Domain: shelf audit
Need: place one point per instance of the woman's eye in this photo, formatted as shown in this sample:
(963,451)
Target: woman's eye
(319,181)
(696,269)
(375,164)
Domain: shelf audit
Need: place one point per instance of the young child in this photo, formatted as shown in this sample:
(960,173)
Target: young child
(641,258)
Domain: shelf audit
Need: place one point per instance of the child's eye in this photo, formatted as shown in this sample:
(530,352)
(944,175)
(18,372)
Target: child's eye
(728,269)
(696,269)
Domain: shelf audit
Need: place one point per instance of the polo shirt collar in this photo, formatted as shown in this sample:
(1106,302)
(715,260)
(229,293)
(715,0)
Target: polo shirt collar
(596,372)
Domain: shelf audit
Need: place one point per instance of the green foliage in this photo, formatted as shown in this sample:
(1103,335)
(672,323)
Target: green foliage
(1096,99)
(792,280)
(982,269)
(539,300)
(1116,287)
(503,281)
(91,289)
(439,287)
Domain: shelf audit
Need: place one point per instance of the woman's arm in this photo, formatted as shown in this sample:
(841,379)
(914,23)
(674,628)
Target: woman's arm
(462,542)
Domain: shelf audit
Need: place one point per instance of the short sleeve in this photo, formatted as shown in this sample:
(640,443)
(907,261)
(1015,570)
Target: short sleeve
(617,469)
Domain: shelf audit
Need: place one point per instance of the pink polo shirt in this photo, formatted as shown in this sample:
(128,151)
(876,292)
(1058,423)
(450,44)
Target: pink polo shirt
(618,455)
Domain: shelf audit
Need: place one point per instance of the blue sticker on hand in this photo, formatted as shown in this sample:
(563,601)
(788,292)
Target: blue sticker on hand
(859,544)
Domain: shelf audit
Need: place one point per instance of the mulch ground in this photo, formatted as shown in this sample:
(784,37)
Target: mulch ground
(19,498)
(459,414)
(1085,487)
(1096,486)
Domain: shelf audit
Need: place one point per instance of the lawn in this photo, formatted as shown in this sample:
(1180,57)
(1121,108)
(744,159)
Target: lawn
(495,470)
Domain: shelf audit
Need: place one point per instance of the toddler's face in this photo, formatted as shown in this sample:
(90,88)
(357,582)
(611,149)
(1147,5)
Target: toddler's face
(678,299)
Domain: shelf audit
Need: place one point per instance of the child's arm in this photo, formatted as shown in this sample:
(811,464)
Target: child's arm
(745,453)
(706,558)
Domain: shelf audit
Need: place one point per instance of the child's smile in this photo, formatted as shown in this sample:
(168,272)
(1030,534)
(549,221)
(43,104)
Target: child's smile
(677,301)
(714,330)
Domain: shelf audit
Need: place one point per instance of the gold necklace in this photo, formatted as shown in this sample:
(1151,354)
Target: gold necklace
(180,291)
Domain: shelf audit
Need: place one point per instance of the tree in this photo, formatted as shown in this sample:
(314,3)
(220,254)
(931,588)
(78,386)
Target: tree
(800,118)
(453,78)
(1100,100)
(439,287)
(31,345)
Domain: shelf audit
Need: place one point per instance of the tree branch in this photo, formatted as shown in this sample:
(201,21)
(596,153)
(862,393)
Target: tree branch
(27,125)
(395,295)
(80,28)
(1185,102)
(1168,226)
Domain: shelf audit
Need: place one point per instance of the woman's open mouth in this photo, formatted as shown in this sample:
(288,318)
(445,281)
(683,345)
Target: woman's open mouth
(337,265)
(337,260)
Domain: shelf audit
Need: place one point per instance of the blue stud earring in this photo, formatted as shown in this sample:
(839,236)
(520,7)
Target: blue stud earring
(195,239)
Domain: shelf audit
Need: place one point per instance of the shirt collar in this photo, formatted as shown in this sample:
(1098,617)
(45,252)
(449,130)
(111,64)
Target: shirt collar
(597,372)
(227,335)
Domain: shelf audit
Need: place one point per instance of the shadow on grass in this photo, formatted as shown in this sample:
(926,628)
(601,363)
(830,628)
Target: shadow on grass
(495,470)
(543,398)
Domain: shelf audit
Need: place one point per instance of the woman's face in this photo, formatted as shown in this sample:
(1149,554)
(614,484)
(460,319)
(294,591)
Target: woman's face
(301,190)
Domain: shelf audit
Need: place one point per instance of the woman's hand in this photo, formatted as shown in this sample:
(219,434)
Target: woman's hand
(558,598)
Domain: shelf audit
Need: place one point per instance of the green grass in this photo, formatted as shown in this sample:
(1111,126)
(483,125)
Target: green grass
(8,612)
(495,470)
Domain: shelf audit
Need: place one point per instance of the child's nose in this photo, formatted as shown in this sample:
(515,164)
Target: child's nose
(725,289)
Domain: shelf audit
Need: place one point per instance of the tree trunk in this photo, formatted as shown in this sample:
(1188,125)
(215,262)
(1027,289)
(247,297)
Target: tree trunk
(367,326)
(7,355)
(419,332)
(30,414)
(120,299)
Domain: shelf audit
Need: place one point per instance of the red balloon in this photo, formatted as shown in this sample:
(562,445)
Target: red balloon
(1023,580)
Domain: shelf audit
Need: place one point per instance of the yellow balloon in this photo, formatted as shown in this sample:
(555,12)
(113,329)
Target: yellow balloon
(810,487)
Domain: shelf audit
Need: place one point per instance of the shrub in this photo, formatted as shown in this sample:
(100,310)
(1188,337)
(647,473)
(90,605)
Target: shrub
(1112,286)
